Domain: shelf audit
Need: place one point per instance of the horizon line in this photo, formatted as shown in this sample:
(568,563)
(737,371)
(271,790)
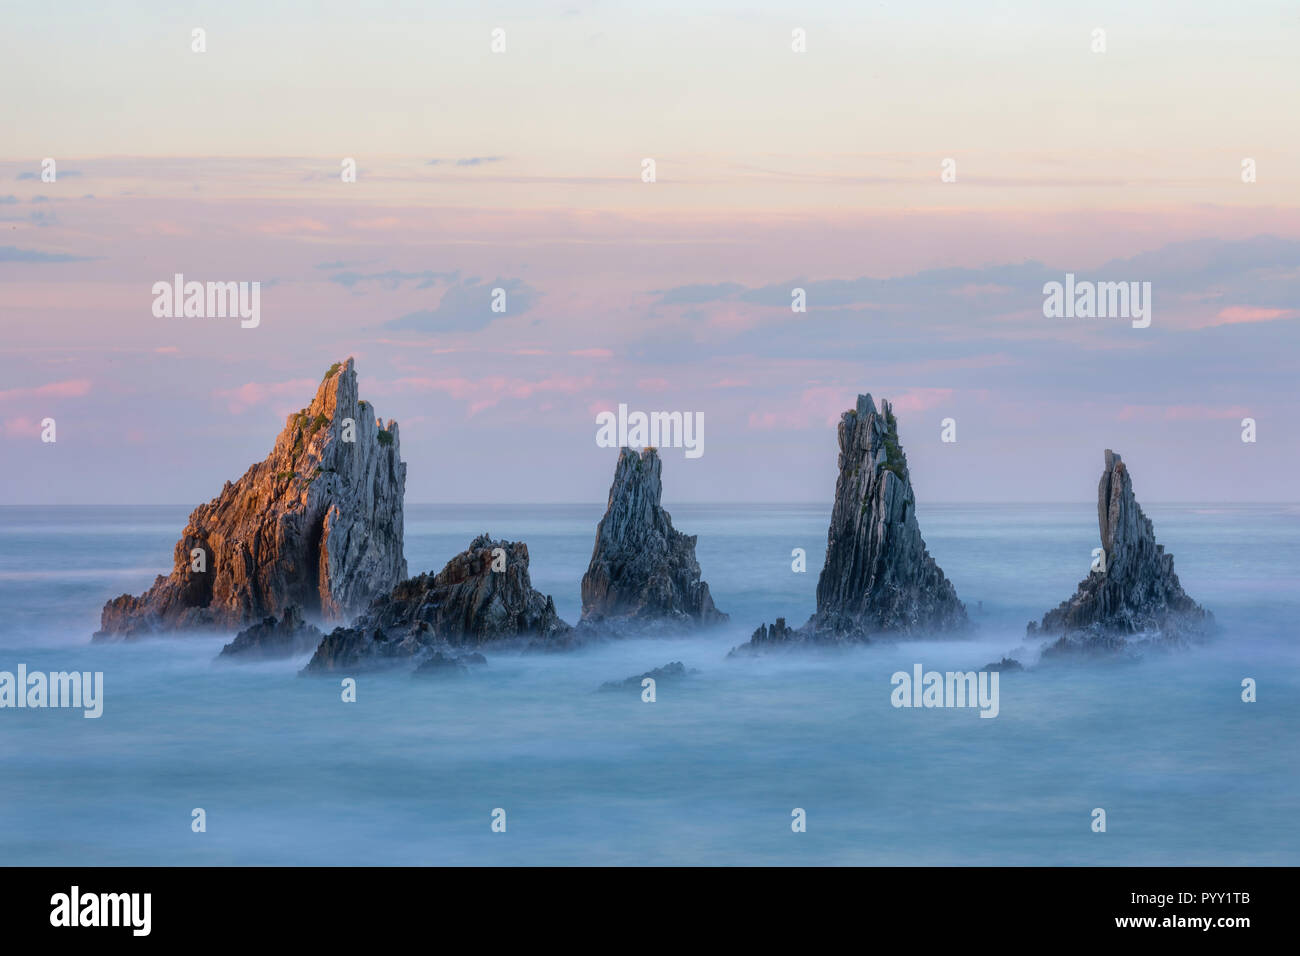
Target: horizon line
(728,503)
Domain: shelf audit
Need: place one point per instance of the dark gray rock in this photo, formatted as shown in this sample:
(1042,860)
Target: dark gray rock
(272,639)
(351,649)
(1137,599)
(643,573)
(878,579)
(778,635)
(467,603)
(673,671)
(878,576)
(1007,664)
(318,524)
(447,663)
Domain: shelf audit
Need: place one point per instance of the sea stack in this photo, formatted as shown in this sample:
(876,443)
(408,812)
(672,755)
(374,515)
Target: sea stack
(643,573)
(483,595)
(1137,597)
(318,524)
(878,579)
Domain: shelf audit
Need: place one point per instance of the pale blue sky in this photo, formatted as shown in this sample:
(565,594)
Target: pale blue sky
(775,169)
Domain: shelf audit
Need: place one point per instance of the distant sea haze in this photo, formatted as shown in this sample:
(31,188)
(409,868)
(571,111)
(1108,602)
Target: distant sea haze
(709,772)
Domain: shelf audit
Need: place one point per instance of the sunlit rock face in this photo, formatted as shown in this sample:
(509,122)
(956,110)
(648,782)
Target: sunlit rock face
(317,524)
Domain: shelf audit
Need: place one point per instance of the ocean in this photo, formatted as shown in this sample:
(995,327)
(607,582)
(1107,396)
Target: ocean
(712,771)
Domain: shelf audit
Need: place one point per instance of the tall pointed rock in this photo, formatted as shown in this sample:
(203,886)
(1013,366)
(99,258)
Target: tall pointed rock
(878,580)
(318,524)
(878,576)
(643,571)
(1138,593)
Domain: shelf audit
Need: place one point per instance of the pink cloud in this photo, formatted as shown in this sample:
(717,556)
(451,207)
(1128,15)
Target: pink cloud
(484,393)
(823,405)
(169,229)
(592,353)
(297,224)
(376,225)
(21,428)
(1181,413)
(72,388)
(921,399)
(733,317)
(973,289)
(654,384)
(1234,314)
(240,400)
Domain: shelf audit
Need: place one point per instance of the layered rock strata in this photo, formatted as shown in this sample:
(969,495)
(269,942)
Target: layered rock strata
(643,572)
(878,578)
(317,524)
(1133,595)
(484,595)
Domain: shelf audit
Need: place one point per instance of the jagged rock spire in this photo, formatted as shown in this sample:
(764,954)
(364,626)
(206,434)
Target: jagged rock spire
(643,570)
(1137,593)
(878,576)
(318,524)
(878,579)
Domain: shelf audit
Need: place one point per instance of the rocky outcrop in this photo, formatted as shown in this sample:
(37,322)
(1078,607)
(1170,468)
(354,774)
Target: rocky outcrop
(778,635)
(878,578)
(670,673)
(1137,598)
(318,524)
(350,650)
(643,572)
(271,639)
(443,663)
(483,595)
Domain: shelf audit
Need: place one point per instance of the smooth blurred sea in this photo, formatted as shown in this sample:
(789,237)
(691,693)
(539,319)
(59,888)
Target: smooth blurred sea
(709,774)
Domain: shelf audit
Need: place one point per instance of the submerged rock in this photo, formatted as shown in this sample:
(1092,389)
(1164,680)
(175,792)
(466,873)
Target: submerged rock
(483,595)
(673,671)
(352,649)
(878,578)
(271,639)
(318,524)
(1137,599)
(643,572)
(444,663)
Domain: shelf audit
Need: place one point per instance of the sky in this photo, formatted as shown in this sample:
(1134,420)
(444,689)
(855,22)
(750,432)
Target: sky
(522,170)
